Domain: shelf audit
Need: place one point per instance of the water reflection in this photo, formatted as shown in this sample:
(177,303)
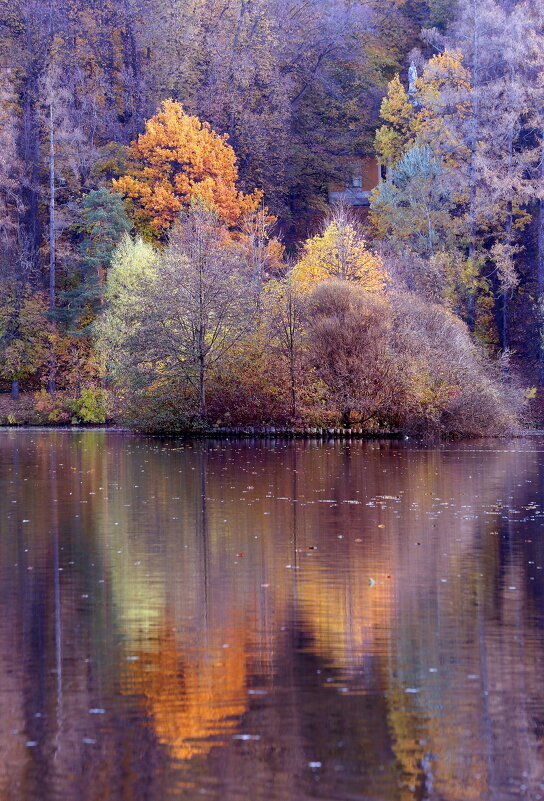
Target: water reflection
(270,621)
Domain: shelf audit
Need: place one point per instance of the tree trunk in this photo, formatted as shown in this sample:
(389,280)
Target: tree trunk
(505,339)
(293,388)
(14,390)
(499,299)
(51,383)
(132,63)
(202,389)
(471,300)
(540,268)
(292,344)
(31,218)
(540,260)
(201,337)
(473,144)
(505,344)
(30,146)
(504,329)
(504,291)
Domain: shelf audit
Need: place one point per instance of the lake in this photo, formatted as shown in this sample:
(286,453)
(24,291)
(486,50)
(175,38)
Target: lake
(270,621)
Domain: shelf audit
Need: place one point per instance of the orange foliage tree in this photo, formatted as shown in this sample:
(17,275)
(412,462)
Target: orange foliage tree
(176,159)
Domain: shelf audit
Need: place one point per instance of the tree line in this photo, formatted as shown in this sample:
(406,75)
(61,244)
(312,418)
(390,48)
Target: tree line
(464,146)
(167,246)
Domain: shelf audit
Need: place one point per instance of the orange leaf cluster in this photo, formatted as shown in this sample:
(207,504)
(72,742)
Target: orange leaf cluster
(176,159)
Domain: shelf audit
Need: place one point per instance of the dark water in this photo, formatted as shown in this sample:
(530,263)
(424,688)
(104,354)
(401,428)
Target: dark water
(270,622)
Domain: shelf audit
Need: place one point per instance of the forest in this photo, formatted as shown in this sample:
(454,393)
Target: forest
(170,258)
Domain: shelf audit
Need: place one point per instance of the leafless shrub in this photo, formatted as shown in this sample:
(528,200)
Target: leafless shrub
(349,336)
(403,362)
(453,385)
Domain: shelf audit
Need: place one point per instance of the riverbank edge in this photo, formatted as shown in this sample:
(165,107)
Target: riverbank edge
(262,432)
(236,432)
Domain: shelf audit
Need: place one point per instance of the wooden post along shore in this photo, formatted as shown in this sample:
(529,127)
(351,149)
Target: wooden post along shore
(285,432)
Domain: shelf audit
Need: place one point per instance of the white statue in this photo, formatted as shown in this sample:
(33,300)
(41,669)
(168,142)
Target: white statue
(412,78)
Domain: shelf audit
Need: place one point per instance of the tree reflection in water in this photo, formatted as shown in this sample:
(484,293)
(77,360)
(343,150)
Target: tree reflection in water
(269,621)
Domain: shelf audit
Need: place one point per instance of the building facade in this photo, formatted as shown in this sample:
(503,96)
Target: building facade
(364,173)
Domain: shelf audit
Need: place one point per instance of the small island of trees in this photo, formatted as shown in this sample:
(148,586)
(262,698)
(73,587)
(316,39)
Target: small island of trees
(169,259)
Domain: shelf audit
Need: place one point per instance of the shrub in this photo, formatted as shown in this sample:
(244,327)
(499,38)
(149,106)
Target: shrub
(164,409)
(51,408)
(450,384)
(349,348)
(403,362)
(90,407)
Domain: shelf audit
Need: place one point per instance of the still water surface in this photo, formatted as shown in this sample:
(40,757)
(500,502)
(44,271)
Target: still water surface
(270,621)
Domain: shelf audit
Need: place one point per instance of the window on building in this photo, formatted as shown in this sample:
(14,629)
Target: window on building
(356,176)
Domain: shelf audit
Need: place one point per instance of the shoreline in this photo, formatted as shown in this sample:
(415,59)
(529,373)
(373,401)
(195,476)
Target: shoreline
(325,434)
(236,432)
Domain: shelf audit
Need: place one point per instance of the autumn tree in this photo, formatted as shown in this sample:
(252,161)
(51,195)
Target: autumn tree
(284,307)
(173,316)
(448,384)
(413,205)
(24,340)
(432,115)
(133,265)
(470,109)
(400,361)
(261,252)
(396,135)
(179,158)
(12,170)
(340,252)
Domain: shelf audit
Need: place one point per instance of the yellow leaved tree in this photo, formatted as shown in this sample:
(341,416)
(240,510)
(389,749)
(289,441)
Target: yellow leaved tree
(397,134)
(431,116)
(176,159)
(340,253)
(445,102)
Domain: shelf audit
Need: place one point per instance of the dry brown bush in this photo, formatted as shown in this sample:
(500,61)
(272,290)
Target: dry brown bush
(454,386)
(349,336)
(405,363)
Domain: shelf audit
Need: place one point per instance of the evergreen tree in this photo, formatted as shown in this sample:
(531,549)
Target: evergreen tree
(102,223)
